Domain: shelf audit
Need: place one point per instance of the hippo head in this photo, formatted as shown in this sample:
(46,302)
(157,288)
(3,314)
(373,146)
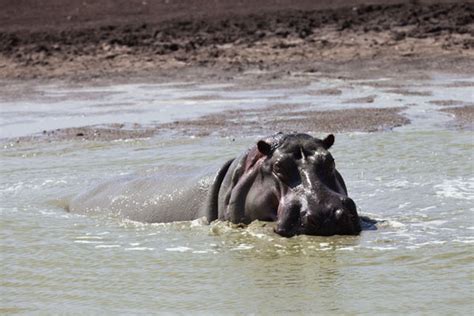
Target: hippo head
(308,194)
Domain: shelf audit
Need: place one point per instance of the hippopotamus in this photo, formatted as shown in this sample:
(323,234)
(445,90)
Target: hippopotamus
(290,179)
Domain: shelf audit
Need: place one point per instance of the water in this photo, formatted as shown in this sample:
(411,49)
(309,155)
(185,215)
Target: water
(418,179)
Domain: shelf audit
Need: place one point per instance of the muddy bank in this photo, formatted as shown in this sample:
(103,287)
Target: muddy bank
(462,112)
(464,116)
(450,102)
(290,119)
(360,38)
(237,123)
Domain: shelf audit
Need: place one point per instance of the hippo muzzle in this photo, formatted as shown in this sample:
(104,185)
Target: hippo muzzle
(306,215)
(339,218)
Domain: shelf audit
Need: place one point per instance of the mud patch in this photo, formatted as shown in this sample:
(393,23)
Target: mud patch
(464,116)
(407,92)
(330,91)
(449,102)
(460,84)
(108,132)
(367,99)
(290,119)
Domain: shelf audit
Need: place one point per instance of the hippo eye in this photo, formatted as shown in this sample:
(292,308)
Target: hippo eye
(328,165)
(325,166)
(285,169)
(278,168)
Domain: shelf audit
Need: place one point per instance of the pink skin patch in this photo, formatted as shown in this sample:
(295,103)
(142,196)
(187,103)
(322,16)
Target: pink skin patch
(253,157)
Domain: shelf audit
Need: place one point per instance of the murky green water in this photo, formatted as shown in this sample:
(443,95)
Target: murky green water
(419,179)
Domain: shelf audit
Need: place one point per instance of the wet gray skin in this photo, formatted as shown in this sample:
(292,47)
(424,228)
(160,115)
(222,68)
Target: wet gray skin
(287,178)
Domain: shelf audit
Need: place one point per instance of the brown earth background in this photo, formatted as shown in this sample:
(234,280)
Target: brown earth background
(87,39)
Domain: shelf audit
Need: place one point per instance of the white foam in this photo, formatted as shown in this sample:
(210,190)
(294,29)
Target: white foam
(399,184)
(108,246)
(89,237)
(139,249)
(403,205)
(345,248)
(325,249)
(434,242)
(456,188)
(437,222)
(49,182)
(13,188)
(259,235)
(427,208)
(242,247)
(179,249)
(88,242)
(383,248)
(45,212)
(465,241)
(392,223)
(204,251)
(202,221)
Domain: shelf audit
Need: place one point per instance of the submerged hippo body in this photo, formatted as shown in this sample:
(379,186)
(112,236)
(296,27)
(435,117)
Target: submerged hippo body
(287,178)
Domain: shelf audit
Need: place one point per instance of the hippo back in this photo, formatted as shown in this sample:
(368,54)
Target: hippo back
(162,197)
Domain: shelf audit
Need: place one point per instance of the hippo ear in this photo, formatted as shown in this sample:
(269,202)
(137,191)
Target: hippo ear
(264,147)
(328,141)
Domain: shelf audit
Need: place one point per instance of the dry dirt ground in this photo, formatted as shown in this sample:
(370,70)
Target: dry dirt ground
(89,41)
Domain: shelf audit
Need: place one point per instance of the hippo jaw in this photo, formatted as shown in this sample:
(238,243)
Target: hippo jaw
(302,215)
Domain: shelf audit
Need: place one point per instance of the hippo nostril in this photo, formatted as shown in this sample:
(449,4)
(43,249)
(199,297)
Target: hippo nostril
(348,203)
(284,232)
(345,200)
(338,214)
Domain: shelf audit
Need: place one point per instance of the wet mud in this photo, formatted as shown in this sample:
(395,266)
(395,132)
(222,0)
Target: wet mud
(406,92)
(367,99)
(291,119)
(463,115)
(450,102)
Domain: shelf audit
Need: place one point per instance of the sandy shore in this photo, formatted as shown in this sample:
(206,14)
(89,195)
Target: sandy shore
(252,43)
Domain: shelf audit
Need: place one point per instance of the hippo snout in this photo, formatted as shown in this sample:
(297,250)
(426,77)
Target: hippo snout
(337,218)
